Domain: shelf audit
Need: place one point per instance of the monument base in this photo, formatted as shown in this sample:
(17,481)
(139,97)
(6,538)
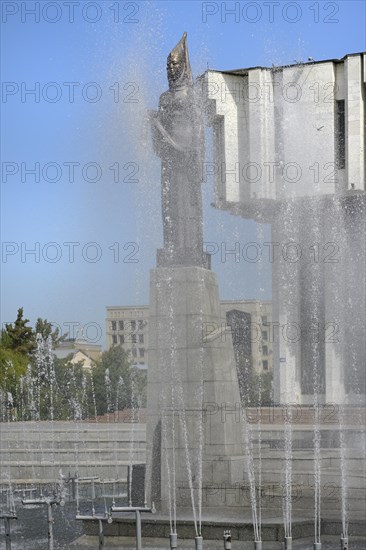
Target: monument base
(241,529)
(194,428)
(183,257)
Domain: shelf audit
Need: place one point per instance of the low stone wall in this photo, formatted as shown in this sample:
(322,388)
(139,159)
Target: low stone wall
(35,453)
(126,416)
(329,414)
(241,529)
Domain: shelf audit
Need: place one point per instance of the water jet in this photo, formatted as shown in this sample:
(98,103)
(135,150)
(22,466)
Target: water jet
(173,537)
(227,540)
(288,543)
(198,541)
(198,372)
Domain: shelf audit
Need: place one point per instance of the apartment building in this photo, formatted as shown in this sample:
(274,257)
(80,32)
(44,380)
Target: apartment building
(250,323)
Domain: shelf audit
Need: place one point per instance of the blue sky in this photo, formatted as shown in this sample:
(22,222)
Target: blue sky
(95,72)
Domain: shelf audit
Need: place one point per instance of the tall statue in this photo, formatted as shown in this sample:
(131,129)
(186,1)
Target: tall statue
(178,138)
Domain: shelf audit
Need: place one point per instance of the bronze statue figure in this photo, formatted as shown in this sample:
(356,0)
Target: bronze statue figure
(178,139)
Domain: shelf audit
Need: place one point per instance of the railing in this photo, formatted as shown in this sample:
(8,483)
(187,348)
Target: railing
(7,517)
(49,502)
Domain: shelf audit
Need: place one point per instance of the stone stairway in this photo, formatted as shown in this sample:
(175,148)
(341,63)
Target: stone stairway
(33,452)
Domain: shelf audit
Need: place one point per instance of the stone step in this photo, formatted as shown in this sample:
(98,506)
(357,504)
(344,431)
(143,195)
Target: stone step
(110,461)
(355,478)
(307,464)
(273,491)
(39,472)
(302,504)
(25,483)
(241,530)
(308,454)
(72,449)
(49,453)
(59,447)
(329,507)
(29,427)
(73,436)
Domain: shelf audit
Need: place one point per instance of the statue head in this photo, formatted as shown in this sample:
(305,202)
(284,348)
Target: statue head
(178,66)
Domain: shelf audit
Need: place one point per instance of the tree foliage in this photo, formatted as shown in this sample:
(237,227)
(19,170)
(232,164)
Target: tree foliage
(44,328)
(13,365)
(18,336)
(17,343)
(18,350)
(117,385)
(39,386)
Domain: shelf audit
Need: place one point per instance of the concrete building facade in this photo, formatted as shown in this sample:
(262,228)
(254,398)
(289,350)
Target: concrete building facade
(289,150)
(128,326)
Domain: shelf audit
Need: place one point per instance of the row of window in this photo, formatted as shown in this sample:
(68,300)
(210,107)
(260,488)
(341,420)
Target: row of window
(133,338)
(139,338)
(132,325)
(140,324)
(129,338)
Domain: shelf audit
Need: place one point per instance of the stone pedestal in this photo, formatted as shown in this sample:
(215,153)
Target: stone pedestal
(193,393)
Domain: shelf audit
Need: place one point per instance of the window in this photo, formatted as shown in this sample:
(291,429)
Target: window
(141,324)
(264,335)
(114,325)
(340,131)
(133,338)
(265,364)
(133,325)
(114,339)
(134,352)
(265,350)
(121,339)
(264,320)
(142,352)
(141,338)
(120,325)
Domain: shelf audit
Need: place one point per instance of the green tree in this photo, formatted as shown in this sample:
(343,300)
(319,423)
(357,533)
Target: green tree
(44,328)
(13,365)
(117,385)
(18,349)
(18,336)
(69,401)
(57,388)
(17,343)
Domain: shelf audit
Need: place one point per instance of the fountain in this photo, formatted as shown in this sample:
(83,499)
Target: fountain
(227,540)
(316,367)
(7,514)
(202,446)
(186,373)
(302,299)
